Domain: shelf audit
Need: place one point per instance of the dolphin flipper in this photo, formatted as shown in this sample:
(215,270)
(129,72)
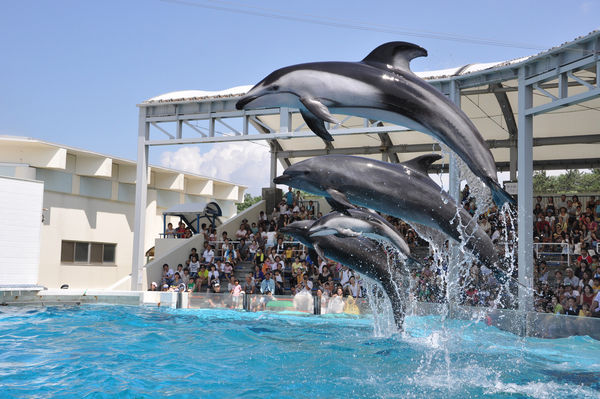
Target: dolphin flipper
(319,251)
(316,125)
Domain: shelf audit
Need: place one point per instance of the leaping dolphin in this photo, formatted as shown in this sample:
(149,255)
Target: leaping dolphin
(380,87)
(402,190)
(359,222)
(364,256)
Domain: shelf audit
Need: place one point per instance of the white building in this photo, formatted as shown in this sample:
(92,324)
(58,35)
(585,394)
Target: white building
(86,236)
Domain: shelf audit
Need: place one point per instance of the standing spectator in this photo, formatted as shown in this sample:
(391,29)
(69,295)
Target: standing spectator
(289,197)
(248,286)
(562,202)
(268,284)
(170,231)
(180,230)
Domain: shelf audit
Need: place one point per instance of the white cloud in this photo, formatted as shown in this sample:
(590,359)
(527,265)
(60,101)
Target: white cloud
(242,163)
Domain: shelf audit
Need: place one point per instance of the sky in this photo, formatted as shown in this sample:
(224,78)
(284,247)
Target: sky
(72,72)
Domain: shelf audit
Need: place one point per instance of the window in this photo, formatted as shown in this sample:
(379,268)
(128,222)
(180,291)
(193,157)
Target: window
(90,253)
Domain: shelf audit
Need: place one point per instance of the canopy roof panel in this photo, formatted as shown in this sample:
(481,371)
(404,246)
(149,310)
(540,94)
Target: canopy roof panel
(489,96)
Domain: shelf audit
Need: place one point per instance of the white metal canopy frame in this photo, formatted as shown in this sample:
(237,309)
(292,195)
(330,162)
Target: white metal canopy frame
(558,88)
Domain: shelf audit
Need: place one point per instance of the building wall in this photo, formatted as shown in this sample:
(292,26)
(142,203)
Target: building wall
(21,216)
(90,198)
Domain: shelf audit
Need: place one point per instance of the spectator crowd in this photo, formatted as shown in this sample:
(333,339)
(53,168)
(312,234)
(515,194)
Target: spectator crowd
(282,266)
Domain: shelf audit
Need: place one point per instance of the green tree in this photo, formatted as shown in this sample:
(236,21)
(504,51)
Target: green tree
(573,181)
(541,182)
(249,200)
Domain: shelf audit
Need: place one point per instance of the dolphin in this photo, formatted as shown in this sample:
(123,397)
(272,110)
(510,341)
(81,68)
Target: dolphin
(403,190)
(363,256)
(381,87)
(360,222)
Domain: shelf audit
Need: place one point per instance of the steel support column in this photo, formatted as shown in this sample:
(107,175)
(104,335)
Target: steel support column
(454,191)
(273,170)
(141,193)
(525,190)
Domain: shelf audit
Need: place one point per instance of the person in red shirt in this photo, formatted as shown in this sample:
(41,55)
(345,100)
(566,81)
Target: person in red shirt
(584,256)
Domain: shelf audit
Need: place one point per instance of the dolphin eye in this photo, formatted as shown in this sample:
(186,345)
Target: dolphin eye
(274,88)
(306,172)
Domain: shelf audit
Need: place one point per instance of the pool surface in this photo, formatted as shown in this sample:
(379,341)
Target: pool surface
(119,351)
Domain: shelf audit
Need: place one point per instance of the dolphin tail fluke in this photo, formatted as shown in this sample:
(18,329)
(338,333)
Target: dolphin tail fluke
(499,195)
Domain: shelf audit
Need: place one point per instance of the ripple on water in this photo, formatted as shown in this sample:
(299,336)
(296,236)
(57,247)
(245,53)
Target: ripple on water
(107,351)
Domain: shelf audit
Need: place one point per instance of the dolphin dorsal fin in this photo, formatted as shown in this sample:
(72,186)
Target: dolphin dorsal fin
(395,56)
(423,162)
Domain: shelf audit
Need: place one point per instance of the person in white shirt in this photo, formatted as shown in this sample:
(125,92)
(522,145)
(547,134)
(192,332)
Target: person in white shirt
(354,287)
(345,275)
(208,255)
(596,306)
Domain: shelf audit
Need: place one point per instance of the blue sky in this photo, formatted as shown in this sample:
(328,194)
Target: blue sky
(73,71)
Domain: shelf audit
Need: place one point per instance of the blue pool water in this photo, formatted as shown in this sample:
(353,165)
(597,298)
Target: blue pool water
(117,351)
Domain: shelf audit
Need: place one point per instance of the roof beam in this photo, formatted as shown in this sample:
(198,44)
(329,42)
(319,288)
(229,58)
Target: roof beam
(507,112)
(406,148)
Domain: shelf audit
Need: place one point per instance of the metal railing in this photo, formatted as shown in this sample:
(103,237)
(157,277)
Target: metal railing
(554,253)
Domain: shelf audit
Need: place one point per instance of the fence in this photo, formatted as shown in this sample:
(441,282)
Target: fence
(554,253)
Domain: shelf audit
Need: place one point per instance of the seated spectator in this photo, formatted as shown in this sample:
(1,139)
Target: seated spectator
(557,308)
(258,275)
(243,249)
(194,266)
(176,280)
(585,311)
(230,255)
(208,255)
(186,276)
(260,257)
(191,285)
(167,275)
(595,308)
(584,256)
(153,287)
(213,274)
(202,279)
(241,233)
(252,250)
(587,296)
(228,270)
(570,278)
(571,309)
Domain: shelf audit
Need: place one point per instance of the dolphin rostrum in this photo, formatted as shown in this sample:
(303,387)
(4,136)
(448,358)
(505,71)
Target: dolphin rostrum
(360,222)
(381,87)
(363,256)
(402,190)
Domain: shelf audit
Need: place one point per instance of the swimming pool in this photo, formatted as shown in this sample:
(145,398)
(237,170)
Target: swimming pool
(106,351)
